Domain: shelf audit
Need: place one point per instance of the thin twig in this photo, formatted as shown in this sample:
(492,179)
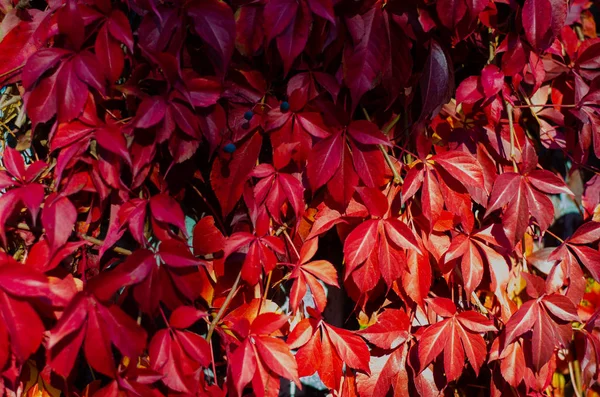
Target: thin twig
(511,125)
(478,303)
(573,380)
(216,215)
(4,96)
(550,233)
(263,297)
(212,358)
(9,102)
(21,117)
(93,240)
(530,105)
(98,242)
(388,160)
(291,243)
(230,296)
(579,32)
(386,156)
(12,70)
(162,313)
(545,105)
(491,47)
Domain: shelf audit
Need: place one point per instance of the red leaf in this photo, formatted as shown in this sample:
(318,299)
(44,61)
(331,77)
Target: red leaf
(21,42)
(19,284)
(150,112)
(207,238)
(58,217)
(343,183)
(400,235)
(109,54)
(276,355)
(104,325)
(367,133)
(513,364)
(307,274)
(442,306)
(243,366)
(548,182)
(165,209)
(548,332)
(456,340)
(359,244)
(351,348)
(542,21)
(293,39)
(469,91)
(451,12)
(324,160)
(278,16)
(390,330)
(587,233)
(176,253)
(492,80)
(71,91)
(436,81)
(462,167)
(228,177)
(213,21)
(374,200)
(184,316)
(417,280)
(41,103)
(363,60)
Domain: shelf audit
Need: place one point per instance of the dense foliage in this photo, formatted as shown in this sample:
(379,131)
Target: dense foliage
(210,197)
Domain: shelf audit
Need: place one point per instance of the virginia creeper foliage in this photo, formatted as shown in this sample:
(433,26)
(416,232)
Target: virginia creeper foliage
(247,197)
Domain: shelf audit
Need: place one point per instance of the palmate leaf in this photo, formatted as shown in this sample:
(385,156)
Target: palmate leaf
(548,319)
(22,329)
(295,126)
(260,254)
(95,326)
(177,353)
(261,358)
(379,244)
(331,155)
(458,335)
(324,348)
(523,194)
(574,248)
(307,274)
(275,189)
(388,371)
(20,180)
(452,173)
(66,90)
(472,250)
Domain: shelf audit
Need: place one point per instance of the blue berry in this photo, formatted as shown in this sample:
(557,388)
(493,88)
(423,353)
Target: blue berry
(229,148)
(248,115)
(285,106)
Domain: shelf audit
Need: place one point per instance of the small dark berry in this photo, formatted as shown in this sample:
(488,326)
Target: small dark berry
(285,106)
(229,148)
(248,115)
